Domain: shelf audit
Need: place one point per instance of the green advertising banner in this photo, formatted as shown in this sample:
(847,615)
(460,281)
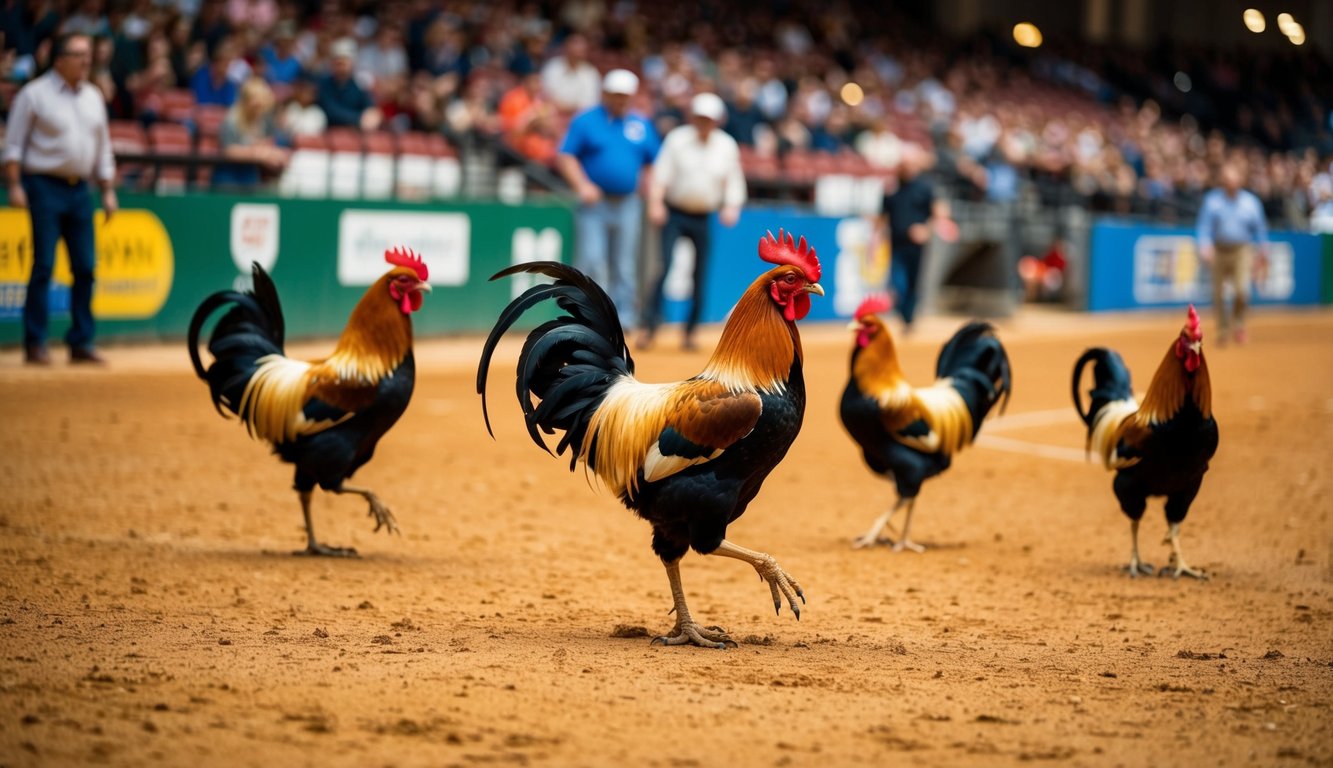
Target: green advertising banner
(160,256)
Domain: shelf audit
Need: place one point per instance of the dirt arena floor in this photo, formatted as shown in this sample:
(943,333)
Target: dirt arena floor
(150,613)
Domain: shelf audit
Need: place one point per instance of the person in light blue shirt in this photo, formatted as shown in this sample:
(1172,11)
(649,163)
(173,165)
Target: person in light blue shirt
(1231,227)
(604,153)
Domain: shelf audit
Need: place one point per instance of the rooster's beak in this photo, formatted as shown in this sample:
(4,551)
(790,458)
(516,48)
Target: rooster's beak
(854,325)
(815,288)
(423,287)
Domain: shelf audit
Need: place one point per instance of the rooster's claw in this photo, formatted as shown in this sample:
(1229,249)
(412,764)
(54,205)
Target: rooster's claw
(383,517)
(693,634)
(781,584)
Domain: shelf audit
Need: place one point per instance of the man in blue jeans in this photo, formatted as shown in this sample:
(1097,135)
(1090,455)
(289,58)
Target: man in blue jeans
(1231,228)
(910,212)
(57,140)
(698,172)
(602,157)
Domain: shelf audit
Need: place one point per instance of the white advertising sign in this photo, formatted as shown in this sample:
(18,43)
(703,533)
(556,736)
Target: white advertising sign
(442,239)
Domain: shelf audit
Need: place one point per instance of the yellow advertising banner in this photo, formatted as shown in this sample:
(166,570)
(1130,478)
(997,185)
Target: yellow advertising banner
(134,268)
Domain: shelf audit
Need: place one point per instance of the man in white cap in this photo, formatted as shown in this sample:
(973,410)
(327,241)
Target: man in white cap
(697,173)
(602,156)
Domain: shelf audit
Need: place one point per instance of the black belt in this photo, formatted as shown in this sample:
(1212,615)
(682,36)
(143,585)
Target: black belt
(70,180)
(684,212)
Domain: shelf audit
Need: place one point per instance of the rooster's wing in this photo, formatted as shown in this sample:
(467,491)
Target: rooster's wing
(662,429)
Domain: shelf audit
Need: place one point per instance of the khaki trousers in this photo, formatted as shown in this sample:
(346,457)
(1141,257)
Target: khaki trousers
(1232,263)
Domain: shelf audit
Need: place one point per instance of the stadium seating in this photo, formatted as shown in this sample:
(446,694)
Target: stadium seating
(345,161)
(307,173)
(378,181)
(171,139)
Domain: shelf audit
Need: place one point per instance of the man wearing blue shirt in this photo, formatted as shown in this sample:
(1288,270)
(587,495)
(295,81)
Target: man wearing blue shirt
(602,157)
(1231,226)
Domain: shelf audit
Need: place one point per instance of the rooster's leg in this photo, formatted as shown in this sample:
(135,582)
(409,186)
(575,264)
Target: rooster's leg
(779,581)
(383,517)
(686,631)
(871,537)
(1136,566)
(905,542)
(1177,566)
(313,547)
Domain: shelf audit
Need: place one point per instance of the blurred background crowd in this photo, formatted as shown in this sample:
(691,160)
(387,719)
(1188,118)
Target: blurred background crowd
(810,87)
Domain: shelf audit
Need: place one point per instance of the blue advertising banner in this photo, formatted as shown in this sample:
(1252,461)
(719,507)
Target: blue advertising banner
(850,252)
(1136,267)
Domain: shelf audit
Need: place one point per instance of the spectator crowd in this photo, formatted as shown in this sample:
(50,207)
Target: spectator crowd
(807,85)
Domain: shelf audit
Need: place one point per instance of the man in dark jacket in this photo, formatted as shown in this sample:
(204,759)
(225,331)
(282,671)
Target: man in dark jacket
(344,102)
(910,211)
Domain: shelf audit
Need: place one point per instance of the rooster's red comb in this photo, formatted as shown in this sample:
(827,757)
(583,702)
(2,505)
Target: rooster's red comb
(782,250)
(1192,327)
(402,256)
(873,305)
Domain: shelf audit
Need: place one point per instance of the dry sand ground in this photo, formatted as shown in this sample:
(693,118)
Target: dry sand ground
(150,613)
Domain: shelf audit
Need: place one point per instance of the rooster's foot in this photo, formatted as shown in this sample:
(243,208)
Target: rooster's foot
(1176,569)
(383,517)
(322,550)
(693,634)
(865,542)
(908,544)
(1135,568)
(781,584)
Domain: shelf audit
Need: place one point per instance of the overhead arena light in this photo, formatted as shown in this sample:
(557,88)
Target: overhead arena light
(1285,22)
(852,95)
(1254,20)
(1296,34)
(1027,35)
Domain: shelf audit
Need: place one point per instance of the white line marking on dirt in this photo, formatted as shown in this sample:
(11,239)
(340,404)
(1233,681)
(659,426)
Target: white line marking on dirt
(1032,449)
(1033,419)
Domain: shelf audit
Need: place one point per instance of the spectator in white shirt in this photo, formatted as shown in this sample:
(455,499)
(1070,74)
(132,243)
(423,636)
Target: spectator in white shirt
(1321,200)
(569,81)
(385,58)
(302,116)
(57,141)
(697,173)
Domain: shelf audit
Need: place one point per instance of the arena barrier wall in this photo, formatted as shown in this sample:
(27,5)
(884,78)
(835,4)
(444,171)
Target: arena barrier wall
(1326,240)
(160,256)
(852,257)
(1134,266)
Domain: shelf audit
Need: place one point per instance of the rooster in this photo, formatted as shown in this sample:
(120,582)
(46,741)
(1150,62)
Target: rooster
(687,456)
(907,433)
(1160,447)
(324,416)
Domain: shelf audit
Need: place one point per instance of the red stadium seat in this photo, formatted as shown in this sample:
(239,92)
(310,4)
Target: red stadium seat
(344,139)
(203,173)
(128,137)
(177,104)
(380,143)
(310,142)
(170,139)
(208,119)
